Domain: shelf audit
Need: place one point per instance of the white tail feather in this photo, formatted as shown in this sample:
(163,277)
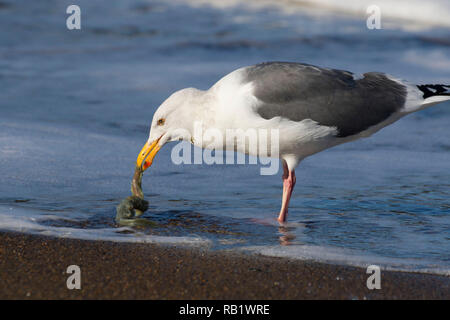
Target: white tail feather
(434,100)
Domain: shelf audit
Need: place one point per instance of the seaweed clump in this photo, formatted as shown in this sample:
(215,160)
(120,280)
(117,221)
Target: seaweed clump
(133,206)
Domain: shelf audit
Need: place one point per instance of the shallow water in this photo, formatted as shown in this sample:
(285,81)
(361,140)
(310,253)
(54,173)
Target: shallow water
(76,107)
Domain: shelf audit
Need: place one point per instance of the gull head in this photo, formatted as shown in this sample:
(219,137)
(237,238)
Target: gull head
(172,121)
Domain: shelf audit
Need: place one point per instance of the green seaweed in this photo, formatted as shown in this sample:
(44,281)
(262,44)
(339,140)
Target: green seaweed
(133,206)
(137,222)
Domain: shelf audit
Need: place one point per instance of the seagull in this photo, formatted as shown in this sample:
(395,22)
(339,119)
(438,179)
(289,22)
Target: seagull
(313,108)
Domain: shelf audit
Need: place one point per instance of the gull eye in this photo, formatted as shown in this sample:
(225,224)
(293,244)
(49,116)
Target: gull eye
(160,122)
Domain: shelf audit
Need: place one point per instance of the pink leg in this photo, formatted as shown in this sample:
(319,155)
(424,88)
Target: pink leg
(288,186)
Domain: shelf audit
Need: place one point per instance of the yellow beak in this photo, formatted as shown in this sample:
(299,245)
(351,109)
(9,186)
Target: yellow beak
(148,152)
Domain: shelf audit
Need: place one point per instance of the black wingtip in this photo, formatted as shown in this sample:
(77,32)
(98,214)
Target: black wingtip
(430,90)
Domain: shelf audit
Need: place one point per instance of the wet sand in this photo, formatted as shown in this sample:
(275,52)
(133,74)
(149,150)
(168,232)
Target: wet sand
(33,267)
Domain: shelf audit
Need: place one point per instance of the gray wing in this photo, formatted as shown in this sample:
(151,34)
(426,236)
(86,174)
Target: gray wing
(330,97)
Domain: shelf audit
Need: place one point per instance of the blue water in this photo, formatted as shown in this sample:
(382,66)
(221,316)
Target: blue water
(76,107)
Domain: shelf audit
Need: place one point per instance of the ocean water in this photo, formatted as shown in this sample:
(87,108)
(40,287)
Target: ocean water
(75,109)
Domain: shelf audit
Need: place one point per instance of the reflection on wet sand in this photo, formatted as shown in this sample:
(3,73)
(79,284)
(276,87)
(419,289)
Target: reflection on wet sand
(286,237)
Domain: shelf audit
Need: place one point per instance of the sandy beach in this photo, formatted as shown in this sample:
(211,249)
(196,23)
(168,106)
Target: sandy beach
(34,267)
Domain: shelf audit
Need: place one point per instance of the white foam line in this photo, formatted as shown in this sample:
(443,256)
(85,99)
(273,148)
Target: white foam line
(26,221)
(340,256)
